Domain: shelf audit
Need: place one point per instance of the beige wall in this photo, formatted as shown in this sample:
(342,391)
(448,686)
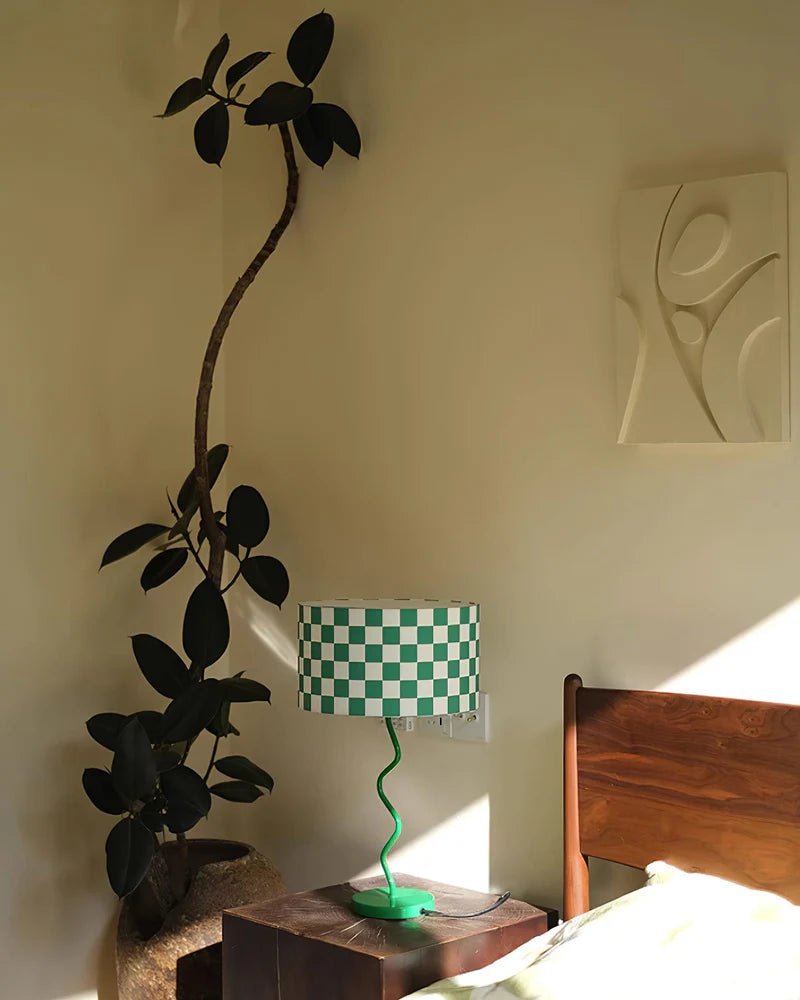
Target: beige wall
(421,383)
(110,270)
(423,386)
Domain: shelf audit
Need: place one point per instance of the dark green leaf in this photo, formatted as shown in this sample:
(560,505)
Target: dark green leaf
(185,784)
(245,770)
(206,628)
(191,712)
(188,92)
(336,122)
(214,61)
(236,791)
(152,815)
(181,525)
(153,723)
(216,459)
(129,851)
(160,664)
(163,567)
(133,769)
(309,46)
(247,517)
(268,578)
(188,798)
(100,788)
(104,728)
(280,102)
(211,133)
(180,817)
(166,759)
(221,724)
(243,67)
(130,541)
(315,142)
(243,689)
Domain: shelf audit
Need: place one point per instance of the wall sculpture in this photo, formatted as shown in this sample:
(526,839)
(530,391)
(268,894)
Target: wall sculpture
(702,312)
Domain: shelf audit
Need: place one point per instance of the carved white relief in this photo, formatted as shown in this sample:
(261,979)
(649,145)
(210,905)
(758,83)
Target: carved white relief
(702,312)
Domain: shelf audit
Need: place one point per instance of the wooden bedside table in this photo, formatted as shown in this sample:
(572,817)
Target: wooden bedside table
(311,945)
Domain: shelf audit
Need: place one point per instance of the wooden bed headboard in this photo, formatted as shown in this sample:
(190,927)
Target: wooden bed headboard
(707,784)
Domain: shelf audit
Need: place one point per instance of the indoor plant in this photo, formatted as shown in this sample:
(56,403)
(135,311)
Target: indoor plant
(150,783)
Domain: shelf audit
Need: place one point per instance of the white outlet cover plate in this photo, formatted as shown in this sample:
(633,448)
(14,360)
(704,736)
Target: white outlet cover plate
(471,727)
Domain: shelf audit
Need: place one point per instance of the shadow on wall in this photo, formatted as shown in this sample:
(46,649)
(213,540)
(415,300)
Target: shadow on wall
(467,813)
(67,836)
(325,768)
(109,221)
(466,821)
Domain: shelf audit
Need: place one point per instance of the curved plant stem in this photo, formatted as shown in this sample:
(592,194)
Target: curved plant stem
(216,538)
(187,537)
(213,757)
(179,874)
(227,100)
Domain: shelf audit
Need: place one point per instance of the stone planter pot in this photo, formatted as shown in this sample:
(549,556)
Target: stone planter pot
(182,959)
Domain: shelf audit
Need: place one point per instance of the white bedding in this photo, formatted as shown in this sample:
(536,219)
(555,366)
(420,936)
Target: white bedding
(682,937)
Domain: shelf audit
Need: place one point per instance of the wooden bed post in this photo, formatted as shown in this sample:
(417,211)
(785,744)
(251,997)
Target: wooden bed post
(576,868)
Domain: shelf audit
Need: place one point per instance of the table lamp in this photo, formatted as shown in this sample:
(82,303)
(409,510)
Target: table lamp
(389,659)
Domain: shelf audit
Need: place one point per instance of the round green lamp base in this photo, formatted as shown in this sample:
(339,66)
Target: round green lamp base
(408,903)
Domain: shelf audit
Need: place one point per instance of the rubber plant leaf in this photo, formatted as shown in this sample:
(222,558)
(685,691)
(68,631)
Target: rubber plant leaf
(244,770)
(130,541)
(206,627)
(129,852)
(309,46)
(268,578)
(236,791)
(160,664)
(163,567)
(243,67)
(247,517)
(211,132)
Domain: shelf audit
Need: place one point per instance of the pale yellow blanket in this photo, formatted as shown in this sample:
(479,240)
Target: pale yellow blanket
(683,937)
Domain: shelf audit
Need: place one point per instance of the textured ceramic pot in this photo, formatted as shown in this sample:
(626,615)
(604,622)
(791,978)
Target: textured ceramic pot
(182,959)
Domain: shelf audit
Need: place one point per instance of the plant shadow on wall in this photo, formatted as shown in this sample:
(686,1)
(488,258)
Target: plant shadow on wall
(150,783)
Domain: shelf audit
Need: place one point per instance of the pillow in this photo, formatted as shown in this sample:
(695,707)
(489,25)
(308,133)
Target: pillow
(682,937)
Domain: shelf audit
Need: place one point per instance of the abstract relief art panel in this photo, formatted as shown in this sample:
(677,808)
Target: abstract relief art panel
(702,312)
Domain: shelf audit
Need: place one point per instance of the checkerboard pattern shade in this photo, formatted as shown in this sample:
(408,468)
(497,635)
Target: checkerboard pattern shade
(388,659)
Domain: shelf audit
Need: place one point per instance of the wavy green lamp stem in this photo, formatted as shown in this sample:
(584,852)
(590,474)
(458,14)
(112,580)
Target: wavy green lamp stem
(398,823)
(392,903)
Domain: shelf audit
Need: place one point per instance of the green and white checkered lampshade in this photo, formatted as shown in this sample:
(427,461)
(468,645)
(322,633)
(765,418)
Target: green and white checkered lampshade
(388,658)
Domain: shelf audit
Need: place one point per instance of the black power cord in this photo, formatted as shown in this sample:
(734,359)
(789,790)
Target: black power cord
(437,913)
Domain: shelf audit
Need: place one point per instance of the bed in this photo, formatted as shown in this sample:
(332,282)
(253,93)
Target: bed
(704,794)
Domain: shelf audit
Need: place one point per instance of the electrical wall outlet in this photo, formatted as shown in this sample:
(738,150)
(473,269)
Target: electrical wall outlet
(402,725)
(472,727)
(435,725)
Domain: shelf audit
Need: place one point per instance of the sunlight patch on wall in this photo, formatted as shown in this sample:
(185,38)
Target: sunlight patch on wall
(182,17)
(268,627)
(456,851)
(88,995)
(761,664)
